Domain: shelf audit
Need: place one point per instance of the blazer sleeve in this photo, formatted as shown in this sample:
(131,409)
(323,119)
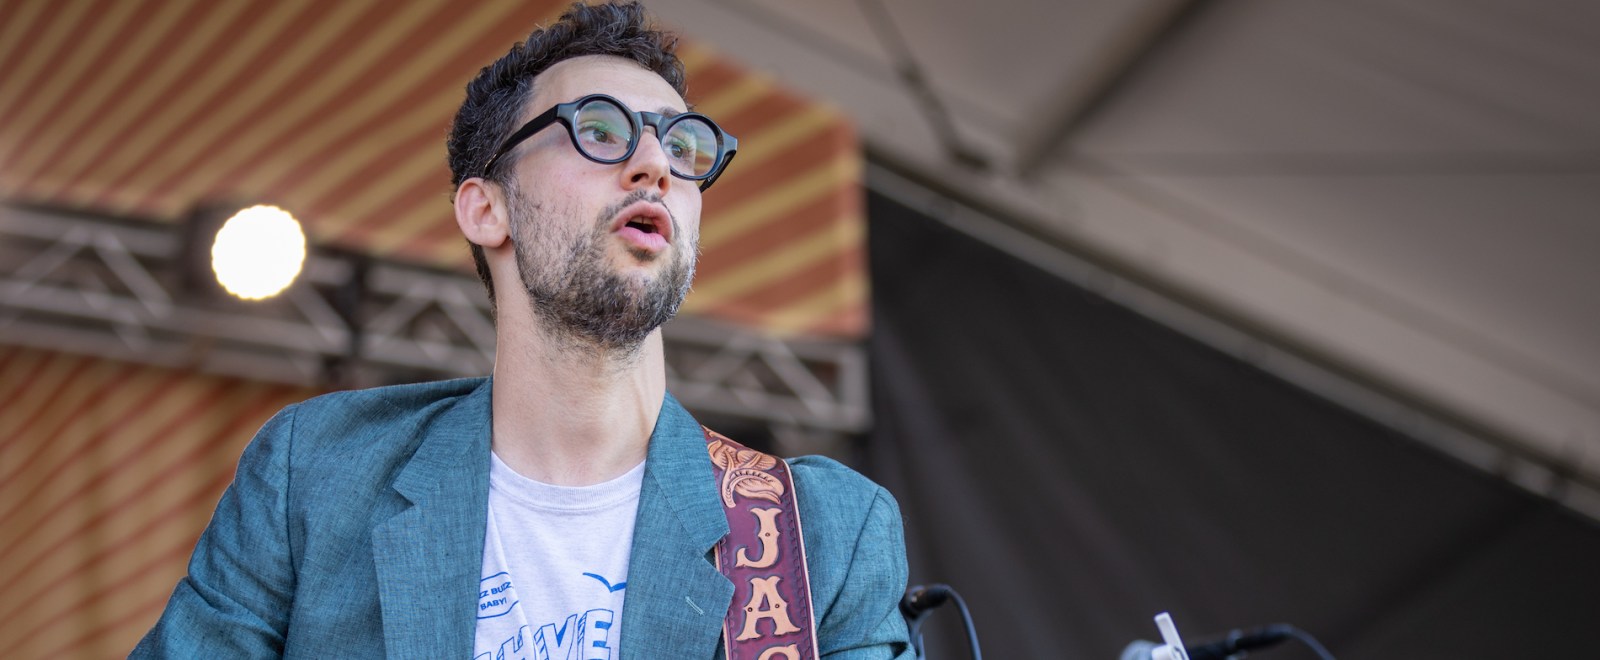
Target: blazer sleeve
(234,602)
(865,621)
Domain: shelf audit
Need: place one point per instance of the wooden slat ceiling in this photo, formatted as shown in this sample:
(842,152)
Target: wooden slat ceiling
(338,112)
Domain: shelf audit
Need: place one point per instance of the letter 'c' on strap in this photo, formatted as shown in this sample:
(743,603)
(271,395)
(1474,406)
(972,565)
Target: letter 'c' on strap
(764,555)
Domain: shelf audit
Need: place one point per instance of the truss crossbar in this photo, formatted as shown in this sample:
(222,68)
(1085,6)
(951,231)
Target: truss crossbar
(96,285)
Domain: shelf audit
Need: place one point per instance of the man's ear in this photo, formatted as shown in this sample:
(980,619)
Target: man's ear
(481,213)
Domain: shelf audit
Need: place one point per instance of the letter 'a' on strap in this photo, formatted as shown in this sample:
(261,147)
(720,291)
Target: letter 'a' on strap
(764,555)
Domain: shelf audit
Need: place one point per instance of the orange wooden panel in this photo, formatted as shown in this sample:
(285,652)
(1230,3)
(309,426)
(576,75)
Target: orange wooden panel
(338,111)
(111,471)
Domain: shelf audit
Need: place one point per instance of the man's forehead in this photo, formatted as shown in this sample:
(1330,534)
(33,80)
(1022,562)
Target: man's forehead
(624,79)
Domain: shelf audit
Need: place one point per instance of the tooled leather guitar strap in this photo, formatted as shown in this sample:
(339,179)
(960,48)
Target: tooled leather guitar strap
(763,554)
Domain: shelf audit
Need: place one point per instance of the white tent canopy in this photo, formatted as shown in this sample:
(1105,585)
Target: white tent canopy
(1395,195)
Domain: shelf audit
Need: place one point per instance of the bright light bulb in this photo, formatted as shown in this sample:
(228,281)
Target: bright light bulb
(258,252)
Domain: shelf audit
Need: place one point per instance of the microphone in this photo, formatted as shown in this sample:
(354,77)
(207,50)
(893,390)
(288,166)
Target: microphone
(920,599)
(1237,641)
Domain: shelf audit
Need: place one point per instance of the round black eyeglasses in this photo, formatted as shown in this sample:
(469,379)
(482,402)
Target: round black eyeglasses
(606,131)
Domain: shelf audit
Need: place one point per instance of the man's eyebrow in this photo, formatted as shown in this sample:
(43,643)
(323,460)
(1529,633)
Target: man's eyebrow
(669,111)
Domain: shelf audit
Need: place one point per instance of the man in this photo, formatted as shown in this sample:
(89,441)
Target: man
(565,508)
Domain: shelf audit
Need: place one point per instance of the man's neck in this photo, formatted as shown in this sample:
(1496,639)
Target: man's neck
(573,417)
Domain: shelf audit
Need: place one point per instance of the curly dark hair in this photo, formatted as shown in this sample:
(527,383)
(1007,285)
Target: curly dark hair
(497,95)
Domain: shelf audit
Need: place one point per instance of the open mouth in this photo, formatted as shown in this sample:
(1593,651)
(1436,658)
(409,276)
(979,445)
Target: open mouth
(646,224)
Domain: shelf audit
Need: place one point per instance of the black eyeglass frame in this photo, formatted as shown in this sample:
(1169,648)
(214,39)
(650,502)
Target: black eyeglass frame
(566,113)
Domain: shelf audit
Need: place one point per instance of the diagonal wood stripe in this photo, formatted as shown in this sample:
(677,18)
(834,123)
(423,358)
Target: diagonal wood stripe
(158,107)
(58,410)
(179,60)
(832,308)
(411,178)
(205,100)
(125,630)
(752,276)
(129,582)
(19,365)
(41,397)
(211,443)
(440,63)
(13,354)
(695,57)
(818,215)
(9,355)
(415,221)
(110,621)
(808,123)
(118,62)
(419,174)
(66,474)
(349,163)
(18,32)
(803,281)
(755,213)
(109,625)
(302,79)
(119,555)
(728,99)
(390,238)
(425,104)
(153,481)
(59,31)
(848,298)
(451,254)
(126,468)
(764,175)
(56,555)
(67,74)
(772,101)
(423,173)
(853,323)
(440,242)
(210,461)
(60,393)
(20,378)
(194,119)
(157,530)
(296,124)
(127,624)
(705,73)
(150,405)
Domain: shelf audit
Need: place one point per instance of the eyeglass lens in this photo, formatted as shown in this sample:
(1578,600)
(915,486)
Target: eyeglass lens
(605,131)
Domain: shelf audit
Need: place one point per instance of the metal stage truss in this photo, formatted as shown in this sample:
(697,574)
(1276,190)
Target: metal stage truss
(130,290)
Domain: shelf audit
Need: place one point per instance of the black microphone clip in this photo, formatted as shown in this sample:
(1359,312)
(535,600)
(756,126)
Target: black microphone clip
(1240,641)
(920,599)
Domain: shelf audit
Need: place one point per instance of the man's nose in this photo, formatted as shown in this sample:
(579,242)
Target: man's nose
(648,166)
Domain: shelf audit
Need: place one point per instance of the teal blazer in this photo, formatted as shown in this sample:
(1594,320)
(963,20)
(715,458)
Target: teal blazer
(355,524)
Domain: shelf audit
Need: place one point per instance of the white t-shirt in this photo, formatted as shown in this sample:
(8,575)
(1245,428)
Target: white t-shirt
(555,567)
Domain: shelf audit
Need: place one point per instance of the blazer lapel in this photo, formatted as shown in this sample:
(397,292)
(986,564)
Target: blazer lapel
(429,556)
(676,598)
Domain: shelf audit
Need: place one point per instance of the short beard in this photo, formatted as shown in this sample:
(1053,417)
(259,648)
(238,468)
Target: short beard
(577,297)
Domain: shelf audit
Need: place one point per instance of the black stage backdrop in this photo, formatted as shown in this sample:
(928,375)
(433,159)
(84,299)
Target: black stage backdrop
(1073,468)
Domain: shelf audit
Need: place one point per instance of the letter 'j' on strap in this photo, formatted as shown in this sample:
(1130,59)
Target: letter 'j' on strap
(764,555)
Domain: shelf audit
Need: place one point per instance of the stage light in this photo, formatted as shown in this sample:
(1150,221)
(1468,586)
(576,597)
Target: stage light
(258,252)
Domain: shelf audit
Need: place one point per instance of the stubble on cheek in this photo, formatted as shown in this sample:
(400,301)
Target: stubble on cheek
(574,288)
